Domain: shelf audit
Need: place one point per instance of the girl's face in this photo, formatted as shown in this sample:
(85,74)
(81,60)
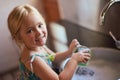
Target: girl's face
(33,32)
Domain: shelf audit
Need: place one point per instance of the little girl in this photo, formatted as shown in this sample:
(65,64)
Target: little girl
(28,29)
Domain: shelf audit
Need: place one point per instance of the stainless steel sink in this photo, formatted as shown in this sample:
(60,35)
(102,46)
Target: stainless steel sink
(104,65)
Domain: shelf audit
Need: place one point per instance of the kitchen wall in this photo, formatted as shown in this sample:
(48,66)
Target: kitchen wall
(82,12)
(8,50)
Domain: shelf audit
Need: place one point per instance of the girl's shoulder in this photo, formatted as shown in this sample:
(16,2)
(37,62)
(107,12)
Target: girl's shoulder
(27,59)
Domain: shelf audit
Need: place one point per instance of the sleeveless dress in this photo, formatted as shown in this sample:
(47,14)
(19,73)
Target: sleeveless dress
(26,74)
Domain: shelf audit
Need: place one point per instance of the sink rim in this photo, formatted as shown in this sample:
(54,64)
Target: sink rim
(105,53)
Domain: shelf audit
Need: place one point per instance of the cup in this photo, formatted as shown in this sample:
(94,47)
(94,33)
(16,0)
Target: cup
(81,48)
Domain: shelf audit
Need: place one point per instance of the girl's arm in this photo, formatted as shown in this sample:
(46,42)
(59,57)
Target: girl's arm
(44,72)
(60,56)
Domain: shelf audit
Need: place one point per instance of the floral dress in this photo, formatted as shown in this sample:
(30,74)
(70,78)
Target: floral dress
(26,74)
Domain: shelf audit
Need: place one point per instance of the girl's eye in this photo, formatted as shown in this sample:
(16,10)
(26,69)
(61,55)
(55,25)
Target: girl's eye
(29,31)
(39,26)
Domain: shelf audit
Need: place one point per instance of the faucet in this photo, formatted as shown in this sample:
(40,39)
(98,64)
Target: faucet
(102,19)
(105,9)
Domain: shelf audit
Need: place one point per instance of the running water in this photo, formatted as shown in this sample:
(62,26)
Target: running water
(117,42)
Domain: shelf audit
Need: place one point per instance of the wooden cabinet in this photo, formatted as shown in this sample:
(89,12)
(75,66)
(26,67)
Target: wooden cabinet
(51,10)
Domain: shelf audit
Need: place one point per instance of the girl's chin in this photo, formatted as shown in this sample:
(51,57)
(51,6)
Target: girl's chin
(41,43)
(38,45)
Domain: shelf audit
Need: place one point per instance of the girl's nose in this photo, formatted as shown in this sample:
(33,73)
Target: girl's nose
(38,32)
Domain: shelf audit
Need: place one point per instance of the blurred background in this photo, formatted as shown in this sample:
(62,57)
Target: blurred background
(66,20)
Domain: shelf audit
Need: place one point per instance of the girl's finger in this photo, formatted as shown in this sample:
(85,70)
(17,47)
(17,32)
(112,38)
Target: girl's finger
(87,54)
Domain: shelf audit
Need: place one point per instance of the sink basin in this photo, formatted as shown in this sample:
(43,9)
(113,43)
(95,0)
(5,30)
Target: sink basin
(108,54)
(104,65)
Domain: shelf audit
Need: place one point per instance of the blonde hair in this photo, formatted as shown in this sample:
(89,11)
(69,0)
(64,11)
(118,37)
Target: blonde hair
(16,19)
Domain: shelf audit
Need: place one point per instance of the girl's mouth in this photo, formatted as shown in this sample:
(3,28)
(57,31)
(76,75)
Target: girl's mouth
(40,39)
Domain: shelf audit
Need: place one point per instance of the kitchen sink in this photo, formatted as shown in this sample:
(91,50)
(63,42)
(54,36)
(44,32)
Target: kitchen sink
(104,65)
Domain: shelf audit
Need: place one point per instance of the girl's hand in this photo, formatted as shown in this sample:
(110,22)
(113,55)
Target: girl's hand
(81,57)
(73,45)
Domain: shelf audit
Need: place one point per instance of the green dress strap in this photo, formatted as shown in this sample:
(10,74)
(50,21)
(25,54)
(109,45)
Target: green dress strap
(48,58)
(29,75)
(45,57)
